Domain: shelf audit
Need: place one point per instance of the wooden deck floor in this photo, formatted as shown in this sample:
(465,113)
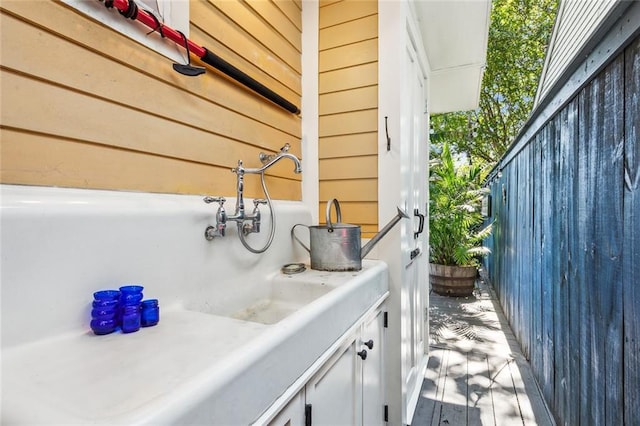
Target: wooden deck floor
(476,374)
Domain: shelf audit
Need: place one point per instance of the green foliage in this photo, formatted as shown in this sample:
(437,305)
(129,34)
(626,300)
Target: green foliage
(454,211)
(518,37)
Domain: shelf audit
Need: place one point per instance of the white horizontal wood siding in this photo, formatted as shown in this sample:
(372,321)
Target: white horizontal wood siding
(577,22)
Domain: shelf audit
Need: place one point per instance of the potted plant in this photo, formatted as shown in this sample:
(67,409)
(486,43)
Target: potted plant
(455,225)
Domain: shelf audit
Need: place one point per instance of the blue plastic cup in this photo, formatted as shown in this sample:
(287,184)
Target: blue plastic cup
(106,295)
(131,294)
(103,326)
(104,315)
(130,318)
(150,312)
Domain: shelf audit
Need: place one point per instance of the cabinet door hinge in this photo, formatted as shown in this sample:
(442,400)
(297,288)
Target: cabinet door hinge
(386,413)
(385,319)
(307,415)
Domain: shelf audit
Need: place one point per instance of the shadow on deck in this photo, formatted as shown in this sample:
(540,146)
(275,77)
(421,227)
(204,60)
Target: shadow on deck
(476,374)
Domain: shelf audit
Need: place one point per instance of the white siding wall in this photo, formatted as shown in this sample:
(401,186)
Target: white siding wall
(577,22)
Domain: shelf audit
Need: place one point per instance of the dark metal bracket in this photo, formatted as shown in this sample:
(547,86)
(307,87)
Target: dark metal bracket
(420,216)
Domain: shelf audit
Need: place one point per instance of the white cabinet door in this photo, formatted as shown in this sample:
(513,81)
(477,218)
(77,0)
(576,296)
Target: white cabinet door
(292,414)
(334,393)
(373,390)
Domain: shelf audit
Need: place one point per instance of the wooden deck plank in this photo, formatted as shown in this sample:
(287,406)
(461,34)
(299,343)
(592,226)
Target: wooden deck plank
(479,390)
(451,409)
(432,386)
(535,410)
(506,404)
(476,374)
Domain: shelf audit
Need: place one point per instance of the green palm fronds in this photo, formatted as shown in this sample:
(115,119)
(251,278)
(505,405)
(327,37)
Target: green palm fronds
(455,233)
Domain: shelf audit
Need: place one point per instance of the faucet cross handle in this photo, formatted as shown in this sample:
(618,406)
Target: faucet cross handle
(258,201)
(210,200)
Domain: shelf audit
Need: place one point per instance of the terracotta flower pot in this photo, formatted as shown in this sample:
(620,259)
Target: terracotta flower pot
(452,280)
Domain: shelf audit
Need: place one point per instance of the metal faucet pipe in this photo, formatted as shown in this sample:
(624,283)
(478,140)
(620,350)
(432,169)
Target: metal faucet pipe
(274,160)
(130,10)
(241,171)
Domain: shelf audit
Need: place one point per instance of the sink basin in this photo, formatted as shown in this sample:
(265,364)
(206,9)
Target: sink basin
(286,295)
(273,300)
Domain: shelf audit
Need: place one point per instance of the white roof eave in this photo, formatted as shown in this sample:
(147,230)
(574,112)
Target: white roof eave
(455,35)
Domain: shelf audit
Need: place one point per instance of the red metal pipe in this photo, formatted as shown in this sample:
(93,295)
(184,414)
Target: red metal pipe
(170,33)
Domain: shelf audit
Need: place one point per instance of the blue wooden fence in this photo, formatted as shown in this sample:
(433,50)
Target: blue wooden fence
(565,256)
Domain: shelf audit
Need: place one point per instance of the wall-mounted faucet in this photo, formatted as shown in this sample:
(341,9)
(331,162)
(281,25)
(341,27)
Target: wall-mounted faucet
(248,222)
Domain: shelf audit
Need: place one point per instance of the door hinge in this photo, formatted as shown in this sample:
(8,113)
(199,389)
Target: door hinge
(385,319)
(386,413)
(307,415)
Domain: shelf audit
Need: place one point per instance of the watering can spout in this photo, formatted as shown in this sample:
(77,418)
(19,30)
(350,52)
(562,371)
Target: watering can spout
(367,247)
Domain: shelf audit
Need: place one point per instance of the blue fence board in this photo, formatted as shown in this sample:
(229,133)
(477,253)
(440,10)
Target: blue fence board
(573,275)
(524,253)
(547,254)
(631,249)
(536,278)
(585,272)
(609,235)
(563,169)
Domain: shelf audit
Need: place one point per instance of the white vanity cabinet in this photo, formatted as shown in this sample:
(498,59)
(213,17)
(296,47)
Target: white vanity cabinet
(348,388)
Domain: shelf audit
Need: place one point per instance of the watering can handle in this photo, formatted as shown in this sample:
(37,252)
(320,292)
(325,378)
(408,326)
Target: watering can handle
(293,235)
(333,202)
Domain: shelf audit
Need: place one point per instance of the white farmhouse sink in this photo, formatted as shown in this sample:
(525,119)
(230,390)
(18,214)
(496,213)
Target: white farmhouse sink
(201,364)
(234,332)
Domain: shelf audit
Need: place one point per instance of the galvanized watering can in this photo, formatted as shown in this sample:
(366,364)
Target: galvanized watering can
(336,246)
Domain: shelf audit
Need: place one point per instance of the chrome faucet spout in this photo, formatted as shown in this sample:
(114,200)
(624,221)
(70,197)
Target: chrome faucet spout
(273,160)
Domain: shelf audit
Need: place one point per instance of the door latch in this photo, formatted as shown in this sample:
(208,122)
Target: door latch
(415,253)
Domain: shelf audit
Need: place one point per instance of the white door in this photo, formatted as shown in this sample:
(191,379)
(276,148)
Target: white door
(415,138)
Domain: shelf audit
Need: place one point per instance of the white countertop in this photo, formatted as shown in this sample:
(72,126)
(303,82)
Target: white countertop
(191,368)
(103,379)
